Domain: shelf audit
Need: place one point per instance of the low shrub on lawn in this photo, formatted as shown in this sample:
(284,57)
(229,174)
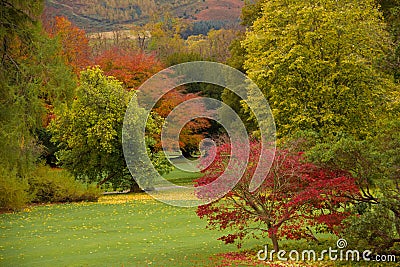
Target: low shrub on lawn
(55,185)
(13,191)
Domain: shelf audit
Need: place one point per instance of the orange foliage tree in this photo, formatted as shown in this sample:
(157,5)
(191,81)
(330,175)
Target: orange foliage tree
(131,67)
(193,131)
(75,44)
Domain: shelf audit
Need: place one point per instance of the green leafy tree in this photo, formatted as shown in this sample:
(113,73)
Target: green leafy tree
(321,66)
(391,13)
(316,62)
(375,163)
(33,79)
(165,36)
(250,12)
(89,133)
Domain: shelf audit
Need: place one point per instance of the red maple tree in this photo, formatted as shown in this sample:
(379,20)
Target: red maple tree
(294,196)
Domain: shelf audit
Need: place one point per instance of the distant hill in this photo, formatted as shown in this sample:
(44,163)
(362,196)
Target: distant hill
(108,15)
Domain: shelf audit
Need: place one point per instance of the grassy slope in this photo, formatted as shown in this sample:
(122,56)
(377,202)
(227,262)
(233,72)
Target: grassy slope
(180,177)
(125,230)
(120,230)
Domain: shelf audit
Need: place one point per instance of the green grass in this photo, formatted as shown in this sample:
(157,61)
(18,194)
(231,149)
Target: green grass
(124,230)
(180,177)
(132,233)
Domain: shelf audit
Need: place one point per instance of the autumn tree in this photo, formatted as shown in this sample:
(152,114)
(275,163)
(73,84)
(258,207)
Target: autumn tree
(89,133)
(75,44)
(316,63)
(193,131)
(295,197)
(130,67)
(135,67)
(32,77)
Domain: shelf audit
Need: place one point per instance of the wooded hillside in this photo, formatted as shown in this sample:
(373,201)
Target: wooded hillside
(99,15)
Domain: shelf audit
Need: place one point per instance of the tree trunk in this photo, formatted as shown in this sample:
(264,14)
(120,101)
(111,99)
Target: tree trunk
(396,219)
(311,234)
(275,244)
(110,176)
(135,188)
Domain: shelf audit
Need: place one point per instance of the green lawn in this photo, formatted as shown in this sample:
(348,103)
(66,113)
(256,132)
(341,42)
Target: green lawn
(125,230)
(180,177)
(118,231)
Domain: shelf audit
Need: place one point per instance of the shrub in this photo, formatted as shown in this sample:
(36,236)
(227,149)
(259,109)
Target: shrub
(56,185)
(13,191)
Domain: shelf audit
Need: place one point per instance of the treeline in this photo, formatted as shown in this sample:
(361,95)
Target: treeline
(204,26)
(170,38)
